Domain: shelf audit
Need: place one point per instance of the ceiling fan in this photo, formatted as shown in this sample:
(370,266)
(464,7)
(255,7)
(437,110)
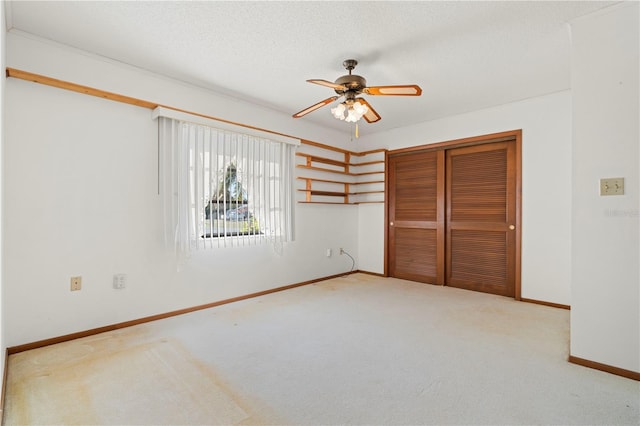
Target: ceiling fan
(350,86)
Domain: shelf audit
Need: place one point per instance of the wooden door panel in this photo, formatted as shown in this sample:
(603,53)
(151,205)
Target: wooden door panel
(415,189)
(478,260)
(480,210)
(416,217)
(478,189)
(416,254)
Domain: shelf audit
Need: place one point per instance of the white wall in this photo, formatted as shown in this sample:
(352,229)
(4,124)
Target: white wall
(80,198)
(605,318)
(546,184)
(371,238)
(3,33)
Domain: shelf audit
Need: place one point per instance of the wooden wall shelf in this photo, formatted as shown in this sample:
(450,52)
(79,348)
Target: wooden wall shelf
(322,169)
(335,173)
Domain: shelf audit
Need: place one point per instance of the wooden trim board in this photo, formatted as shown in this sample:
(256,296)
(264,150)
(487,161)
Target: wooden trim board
(375,274)
(91,91)
(633,375)
(72,336)
(458,143)
(4,385)
(542,302)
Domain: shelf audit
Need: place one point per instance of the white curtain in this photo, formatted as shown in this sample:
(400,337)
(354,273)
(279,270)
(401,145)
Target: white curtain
(223,188)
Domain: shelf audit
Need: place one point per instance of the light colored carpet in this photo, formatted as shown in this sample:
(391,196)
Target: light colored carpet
(108,379)
(352,350)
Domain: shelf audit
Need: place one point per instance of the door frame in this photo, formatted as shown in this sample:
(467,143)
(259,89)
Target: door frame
(511,135)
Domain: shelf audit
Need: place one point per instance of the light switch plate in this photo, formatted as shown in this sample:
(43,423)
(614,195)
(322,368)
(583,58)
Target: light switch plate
(612,186)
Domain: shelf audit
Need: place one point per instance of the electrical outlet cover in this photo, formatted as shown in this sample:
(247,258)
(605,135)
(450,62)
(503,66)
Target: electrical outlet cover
(119,281)
(76,283)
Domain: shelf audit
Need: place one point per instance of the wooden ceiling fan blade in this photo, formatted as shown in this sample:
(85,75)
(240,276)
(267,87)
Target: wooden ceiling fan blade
(371,115)
(328,84)
(407,90)
(315,107)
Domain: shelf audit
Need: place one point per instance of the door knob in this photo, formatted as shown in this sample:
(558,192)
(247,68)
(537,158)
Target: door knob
(512,227)
(391,223)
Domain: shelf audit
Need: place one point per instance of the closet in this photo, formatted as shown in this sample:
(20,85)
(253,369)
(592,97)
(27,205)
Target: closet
(453,213)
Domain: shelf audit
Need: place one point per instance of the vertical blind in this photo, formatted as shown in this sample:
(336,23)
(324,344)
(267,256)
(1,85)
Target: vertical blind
(223,188)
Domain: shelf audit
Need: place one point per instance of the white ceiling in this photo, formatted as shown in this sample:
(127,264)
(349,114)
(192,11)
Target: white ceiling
(465,55)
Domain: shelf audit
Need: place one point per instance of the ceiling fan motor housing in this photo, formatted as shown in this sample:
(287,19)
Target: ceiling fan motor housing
(352,82)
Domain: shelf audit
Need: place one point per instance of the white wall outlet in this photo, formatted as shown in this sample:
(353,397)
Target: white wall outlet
(328,252)
(76,283)
(119,281)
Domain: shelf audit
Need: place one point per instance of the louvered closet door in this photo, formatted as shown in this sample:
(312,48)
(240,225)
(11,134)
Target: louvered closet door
(481,218)
(416,216)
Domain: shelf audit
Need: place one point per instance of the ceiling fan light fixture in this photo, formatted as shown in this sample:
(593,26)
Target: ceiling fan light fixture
(350,113)
(352,116)
(360,108)
(338,111)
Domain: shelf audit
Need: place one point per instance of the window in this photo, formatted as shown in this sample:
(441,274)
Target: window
(223,187)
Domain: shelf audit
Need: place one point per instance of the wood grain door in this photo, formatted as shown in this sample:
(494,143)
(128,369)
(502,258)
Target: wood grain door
(416,216)
(481,218)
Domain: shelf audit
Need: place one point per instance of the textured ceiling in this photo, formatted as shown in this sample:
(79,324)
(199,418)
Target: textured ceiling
(464,55)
